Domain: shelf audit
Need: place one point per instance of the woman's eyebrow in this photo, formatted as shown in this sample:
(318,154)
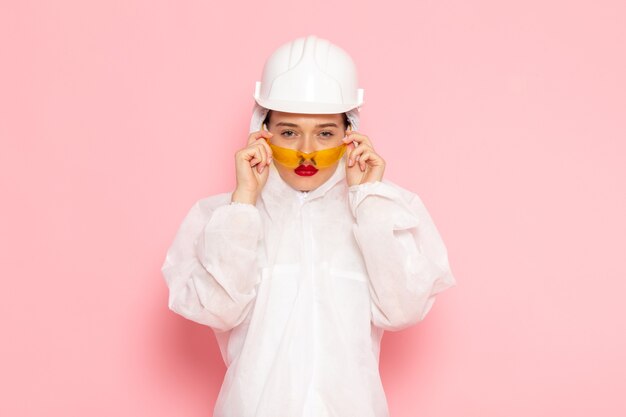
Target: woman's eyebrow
(295,125)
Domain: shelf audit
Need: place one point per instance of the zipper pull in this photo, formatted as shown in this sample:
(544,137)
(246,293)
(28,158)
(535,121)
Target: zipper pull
(302,195)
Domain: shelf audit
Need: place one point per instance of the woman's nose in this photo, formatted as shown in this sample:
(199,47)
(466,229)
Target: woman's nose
(307,145)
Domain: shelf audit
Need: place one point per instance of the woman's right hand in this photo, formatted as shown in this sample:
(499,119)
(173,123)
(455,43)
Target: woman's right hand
(251,165)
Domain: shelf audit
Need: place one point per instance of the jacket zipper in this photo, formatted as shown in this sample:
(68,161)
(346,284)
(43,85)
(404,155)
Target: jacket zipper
(307,233)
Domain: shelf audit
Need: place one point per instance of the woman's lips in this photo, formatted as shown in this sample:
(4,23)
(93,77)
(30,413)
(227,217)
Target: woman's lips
(306,170)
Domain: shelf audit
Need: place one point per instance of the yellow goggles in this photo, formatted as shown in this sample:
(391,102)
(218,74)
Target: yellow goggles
(292,158)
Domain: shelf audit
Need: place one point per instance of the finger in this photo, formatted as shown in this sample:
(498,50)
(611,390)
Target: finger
(263,154)
(371,158)
(258,135)
(358,138)
(261,134)
(351,155)
(365,157)
(355,154)
(349,148)
(268,150)
(266,154)
(255,160)
(253,155)
(354,143)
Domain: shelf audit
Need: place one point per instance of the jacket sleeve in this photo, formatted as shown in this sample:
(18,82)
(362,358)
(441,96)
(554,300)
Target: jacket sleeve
(405,257)
(211,267)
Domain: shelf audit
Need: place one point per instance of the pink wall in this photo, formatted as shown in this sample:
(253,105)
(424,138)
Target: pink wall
(507,118)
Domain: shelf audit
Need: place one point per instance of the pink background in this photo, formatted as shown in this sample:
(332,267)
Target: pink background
(507,118)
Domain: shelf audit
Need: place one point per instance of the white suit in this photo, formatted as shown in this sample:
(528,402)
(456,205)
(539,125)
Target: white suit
(300,288)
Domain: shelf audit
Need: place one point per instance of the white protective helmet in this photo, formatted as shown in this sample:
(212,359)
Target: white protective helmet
(309,75)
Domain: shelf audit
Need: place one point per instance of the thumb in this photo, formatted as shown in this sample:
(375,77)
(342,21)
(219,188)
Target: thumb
(349,149)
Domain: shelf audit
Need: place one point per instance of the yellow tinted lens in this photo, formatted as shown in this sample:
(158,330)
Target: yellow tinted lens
(320,159)
(285,156)
(327,157)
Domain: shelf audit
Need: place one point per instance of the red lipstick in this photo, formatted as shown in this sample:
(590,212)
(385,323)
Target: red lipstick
(306,170)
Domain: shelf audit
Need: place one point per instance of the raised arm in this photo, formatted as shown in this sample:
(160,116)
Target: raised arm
(211,267)
(405,257)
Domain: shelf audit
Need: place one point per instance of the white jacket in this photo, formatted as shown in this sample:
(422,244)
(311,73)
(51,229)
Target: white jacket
(300,288)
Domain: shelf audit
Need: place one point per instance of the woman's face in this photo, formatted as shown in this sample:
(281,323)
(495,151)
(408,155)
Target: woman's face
(306,133)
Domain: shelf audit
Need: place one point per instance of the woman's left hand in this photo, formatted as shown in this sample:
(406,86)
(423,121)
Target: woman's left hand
(363,164)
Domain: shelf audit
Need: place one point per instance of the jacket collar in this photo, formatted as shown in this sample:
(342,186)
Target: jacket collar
(278,196)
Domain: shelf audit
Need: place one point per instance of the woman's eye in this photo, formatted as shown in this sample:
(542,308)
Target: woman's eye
(291,133)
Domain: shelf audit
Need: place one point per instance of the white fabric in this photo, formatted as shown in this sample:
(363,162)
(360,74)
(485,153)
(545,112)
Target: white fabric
(300,288)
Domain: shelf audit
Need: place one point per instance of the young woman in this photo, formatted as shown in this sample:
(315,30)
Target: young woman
(301,269)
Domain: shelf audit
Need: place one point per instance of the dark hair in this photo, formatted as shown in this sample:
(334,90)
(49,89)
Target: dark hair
(346,122)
